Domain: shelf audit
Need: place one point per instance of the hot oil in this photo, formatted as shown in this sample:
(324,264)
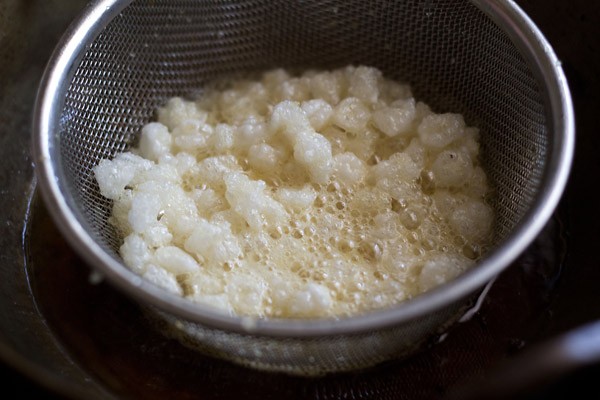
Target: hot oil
(107,334)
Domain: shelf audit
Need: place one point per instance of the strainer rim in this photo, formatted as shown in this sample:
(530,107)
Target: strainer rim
(47,109)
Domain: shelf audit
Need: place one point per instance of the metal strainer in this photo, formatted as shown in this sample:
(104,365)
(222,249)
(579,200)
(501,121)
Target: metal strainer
(485,59)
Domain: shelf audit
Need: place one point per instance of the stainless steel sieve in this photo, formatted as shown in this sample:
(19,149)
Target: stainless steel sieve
(121,59)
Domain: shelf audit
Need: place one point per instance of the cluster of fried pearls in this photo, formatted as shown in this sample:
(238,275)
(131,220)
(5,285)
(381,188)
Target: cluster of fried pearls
(324,194)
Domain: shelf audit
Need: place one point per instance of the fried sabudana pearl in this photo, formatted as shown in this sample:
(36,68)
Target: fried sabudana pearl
(329,193)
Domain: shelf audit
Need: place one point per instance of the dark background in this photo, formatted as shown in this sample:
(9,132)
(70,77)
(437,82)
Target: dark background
(572,28)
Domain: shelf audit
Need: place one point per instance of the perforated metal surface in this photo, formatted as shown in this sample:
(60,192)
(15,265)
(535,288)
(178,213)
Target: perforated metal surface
(314,355)
(455,56)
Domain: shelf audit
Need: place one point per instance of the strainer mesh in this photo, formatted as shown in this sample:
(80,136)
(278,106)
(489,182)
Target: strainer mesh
(455,58)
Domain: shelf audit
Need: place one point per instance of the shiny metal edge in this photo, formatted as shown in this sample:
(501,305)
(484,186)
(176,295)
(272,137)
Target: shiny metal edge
(46,115)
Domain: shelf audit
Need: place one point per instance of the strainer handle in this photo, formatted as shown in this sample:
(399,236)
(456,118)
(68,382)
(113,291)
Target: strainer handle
(550,362)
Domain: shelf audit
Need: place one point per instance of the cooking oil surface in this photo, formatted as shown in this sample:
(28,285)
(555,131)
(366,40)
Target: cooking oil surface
(108,335)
